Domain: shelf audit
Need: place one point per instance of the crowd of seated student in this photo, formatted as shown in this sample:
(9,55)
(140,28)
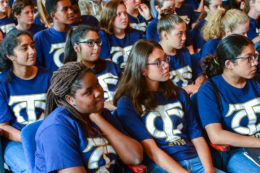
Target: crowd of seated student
(102,63)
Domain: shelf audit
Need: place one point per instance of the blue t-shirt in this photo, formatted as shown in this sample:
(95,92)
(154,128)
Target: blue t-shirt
(109,79)
(186,12)
(49,45)
(138,23)
(37,20)
(33,30)
(209,48)
(7,24)
(254,28)
(197,38)
(239,111)
(23,101)
(118,49)
(172,124)
(183,69)
(62,142)
(151,31)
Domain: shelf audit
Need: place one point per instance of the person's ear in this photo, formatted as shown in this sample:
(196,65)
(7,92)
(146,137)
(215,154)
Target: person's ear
(144,73)
(52,15)
(228,31)
(76,48)
(70,100)
(229,64)
(10,57)
(165,35)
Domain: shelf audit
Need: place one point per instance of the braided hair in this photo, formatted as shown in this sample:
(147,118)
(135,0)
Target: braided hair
(66,81)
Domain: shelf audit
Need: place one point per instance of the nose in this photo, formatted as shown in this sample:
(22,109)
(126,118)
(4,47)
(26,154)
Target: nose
(183,37)
(31,50)
(165,65)
(98,91)
(254,62)
(70,10)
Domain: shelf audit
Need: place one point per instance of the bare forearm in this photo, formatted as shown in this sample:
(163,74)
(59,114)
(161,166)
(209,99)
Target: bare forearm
(204,154)
(161,158)
(128,149)
(217,135)
(10,132)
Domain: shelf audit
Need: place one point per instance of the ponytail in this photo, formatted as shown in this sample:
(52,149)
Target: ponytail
(213,28)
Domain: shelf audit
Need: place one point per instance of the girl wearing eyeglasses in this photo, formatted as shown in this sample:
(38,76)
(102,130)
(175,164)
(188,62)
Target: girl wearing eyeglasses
(229,102)
(116,35)
(83,45)
(159,114)
(183,69)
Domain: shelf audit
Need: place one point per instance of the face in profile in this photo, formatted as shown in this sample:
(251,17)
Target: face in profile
(24,54)
(89,98)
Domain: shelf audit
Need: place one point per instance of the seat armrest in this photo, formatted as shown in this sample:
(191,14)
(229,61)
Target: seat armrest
(137,168)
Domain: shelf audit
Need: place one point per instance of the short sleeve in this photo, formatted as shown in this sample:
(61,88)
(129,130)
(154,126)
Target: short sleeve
(39,47)
(105,47)
(208,106)
(5,112)
(191,117)
(62,141)
(131,120)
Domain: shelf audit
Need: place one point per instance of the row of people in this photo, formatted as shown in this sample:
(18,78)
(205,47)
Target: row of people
(151,108)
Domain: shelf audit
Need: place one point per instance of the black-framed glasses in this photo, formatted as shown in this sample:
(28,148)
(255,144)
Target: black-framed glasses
(249,58)
(91,43)
(160,62)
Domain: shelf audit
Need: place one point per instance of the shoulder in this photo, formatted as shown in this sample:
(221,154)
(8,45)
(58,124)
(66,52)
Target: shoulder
(44,72)
(60,117)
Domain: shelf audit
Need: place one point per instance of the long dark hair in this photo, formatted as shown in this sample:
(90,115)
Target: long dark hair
(74,36)
(133,82)
(228,49)
(66,81)
(11,40)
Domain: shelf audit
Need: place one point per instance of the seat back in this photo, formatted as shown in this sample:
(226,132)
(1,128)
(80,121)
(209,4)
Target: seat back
(29,144)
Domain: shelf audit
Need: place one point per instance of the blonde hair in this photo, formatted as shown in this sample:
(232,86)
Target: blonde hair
(221,20)
(43,14)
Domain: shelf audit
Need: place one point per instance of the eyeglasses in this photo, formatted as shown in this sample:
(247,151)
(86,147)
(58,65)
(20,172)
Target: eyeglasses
(249,58)
(91,43)
(161,62)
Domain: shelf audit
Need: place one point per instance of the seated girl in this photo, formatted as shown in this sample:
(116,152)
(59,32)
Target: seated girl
(78,134)
(23,88)
(228,103)
(221,24)
(116,35)
(83,45)
(183,69)
(159,114)
(210,6)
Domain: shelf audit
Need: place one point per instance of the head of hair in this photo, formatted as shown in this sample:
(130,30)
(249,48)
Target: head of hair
(66,81)
(11,40)
(167,21)
(19,5)
(51,7)
(133,82)
(108,15)
(73,37)
(43,14)
(221,20)
(228,49)
(159,3)
(204,13)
